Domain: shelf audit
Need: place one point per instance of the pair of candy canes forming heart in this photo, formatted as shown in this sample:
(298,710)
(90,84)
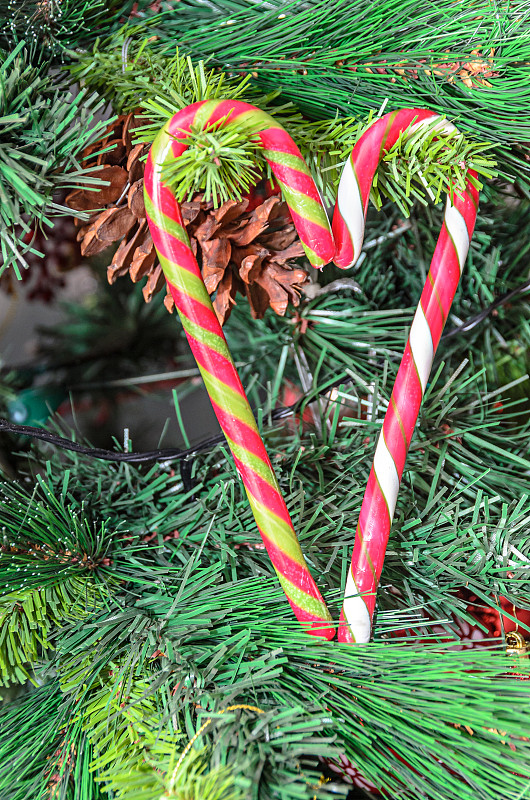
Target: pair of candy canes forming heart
(342,244)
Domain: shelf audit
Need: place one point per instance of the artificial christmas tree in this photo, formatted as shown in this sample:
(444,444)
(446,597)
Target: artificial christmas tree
(146,647)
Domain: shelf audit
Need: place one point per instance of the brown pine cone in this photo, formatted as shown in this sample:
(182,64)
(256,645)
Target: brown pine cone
(242,246)
(118,213)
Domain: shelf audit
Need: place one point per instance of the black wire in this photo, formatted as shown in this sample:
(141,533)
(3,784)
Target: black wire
(162,454)
(471,323)
(68,444)
(184,457)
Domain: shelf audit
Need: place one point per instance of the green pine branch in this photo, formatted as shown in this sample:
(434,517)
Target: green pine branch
(378,703)
(54,28)
(47,539)
(43,132)
(467,461)
(172,625)
(129,73)
(132,742)
(350,58)
(196,620)
(195,777)
(470,441)
(224,160)
(49,754)
(49,557)
(221,160)
(29,620)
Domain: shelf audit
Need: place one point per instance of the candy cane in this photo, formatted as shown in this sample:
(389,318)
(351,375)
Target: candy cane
(379,500)
(206,337)
(222,381)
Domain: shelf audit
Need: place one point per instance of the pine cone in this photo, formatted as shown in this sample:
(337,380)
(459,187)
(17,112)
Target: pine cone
(242,246)
(120,210)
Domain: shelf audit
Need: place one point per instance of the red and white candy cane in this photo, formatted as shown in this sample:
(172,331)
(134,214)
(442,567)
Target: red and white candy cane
(215,362)
(379,500)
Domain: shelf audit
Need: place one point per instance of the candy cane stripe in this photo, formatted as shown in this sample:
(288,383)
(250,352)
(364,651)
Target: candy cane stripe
(169,245)
(205,336)
(205,113)
(388,503)
(308,206)
(304,610)
(289,174)
(386,474)
(422,347)
(351,208)
(295,164)
(167,222)
(457,230)
(193,306)
(396,420)
(253,468)
(222,392)
(189,287)
(442,126)
(314,227)
(407,392)
(431,290)
(355,608)
(274,527)
(259,121)
(244,436)
(175,238)
(364,558)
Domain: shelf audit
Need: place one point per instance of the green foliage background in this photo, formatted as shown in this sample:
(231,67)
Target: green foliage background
(136,607)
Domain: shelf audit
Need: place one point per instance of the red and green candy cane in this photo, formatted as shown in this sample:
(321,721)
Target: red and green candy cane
(343,246)
(206,338)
